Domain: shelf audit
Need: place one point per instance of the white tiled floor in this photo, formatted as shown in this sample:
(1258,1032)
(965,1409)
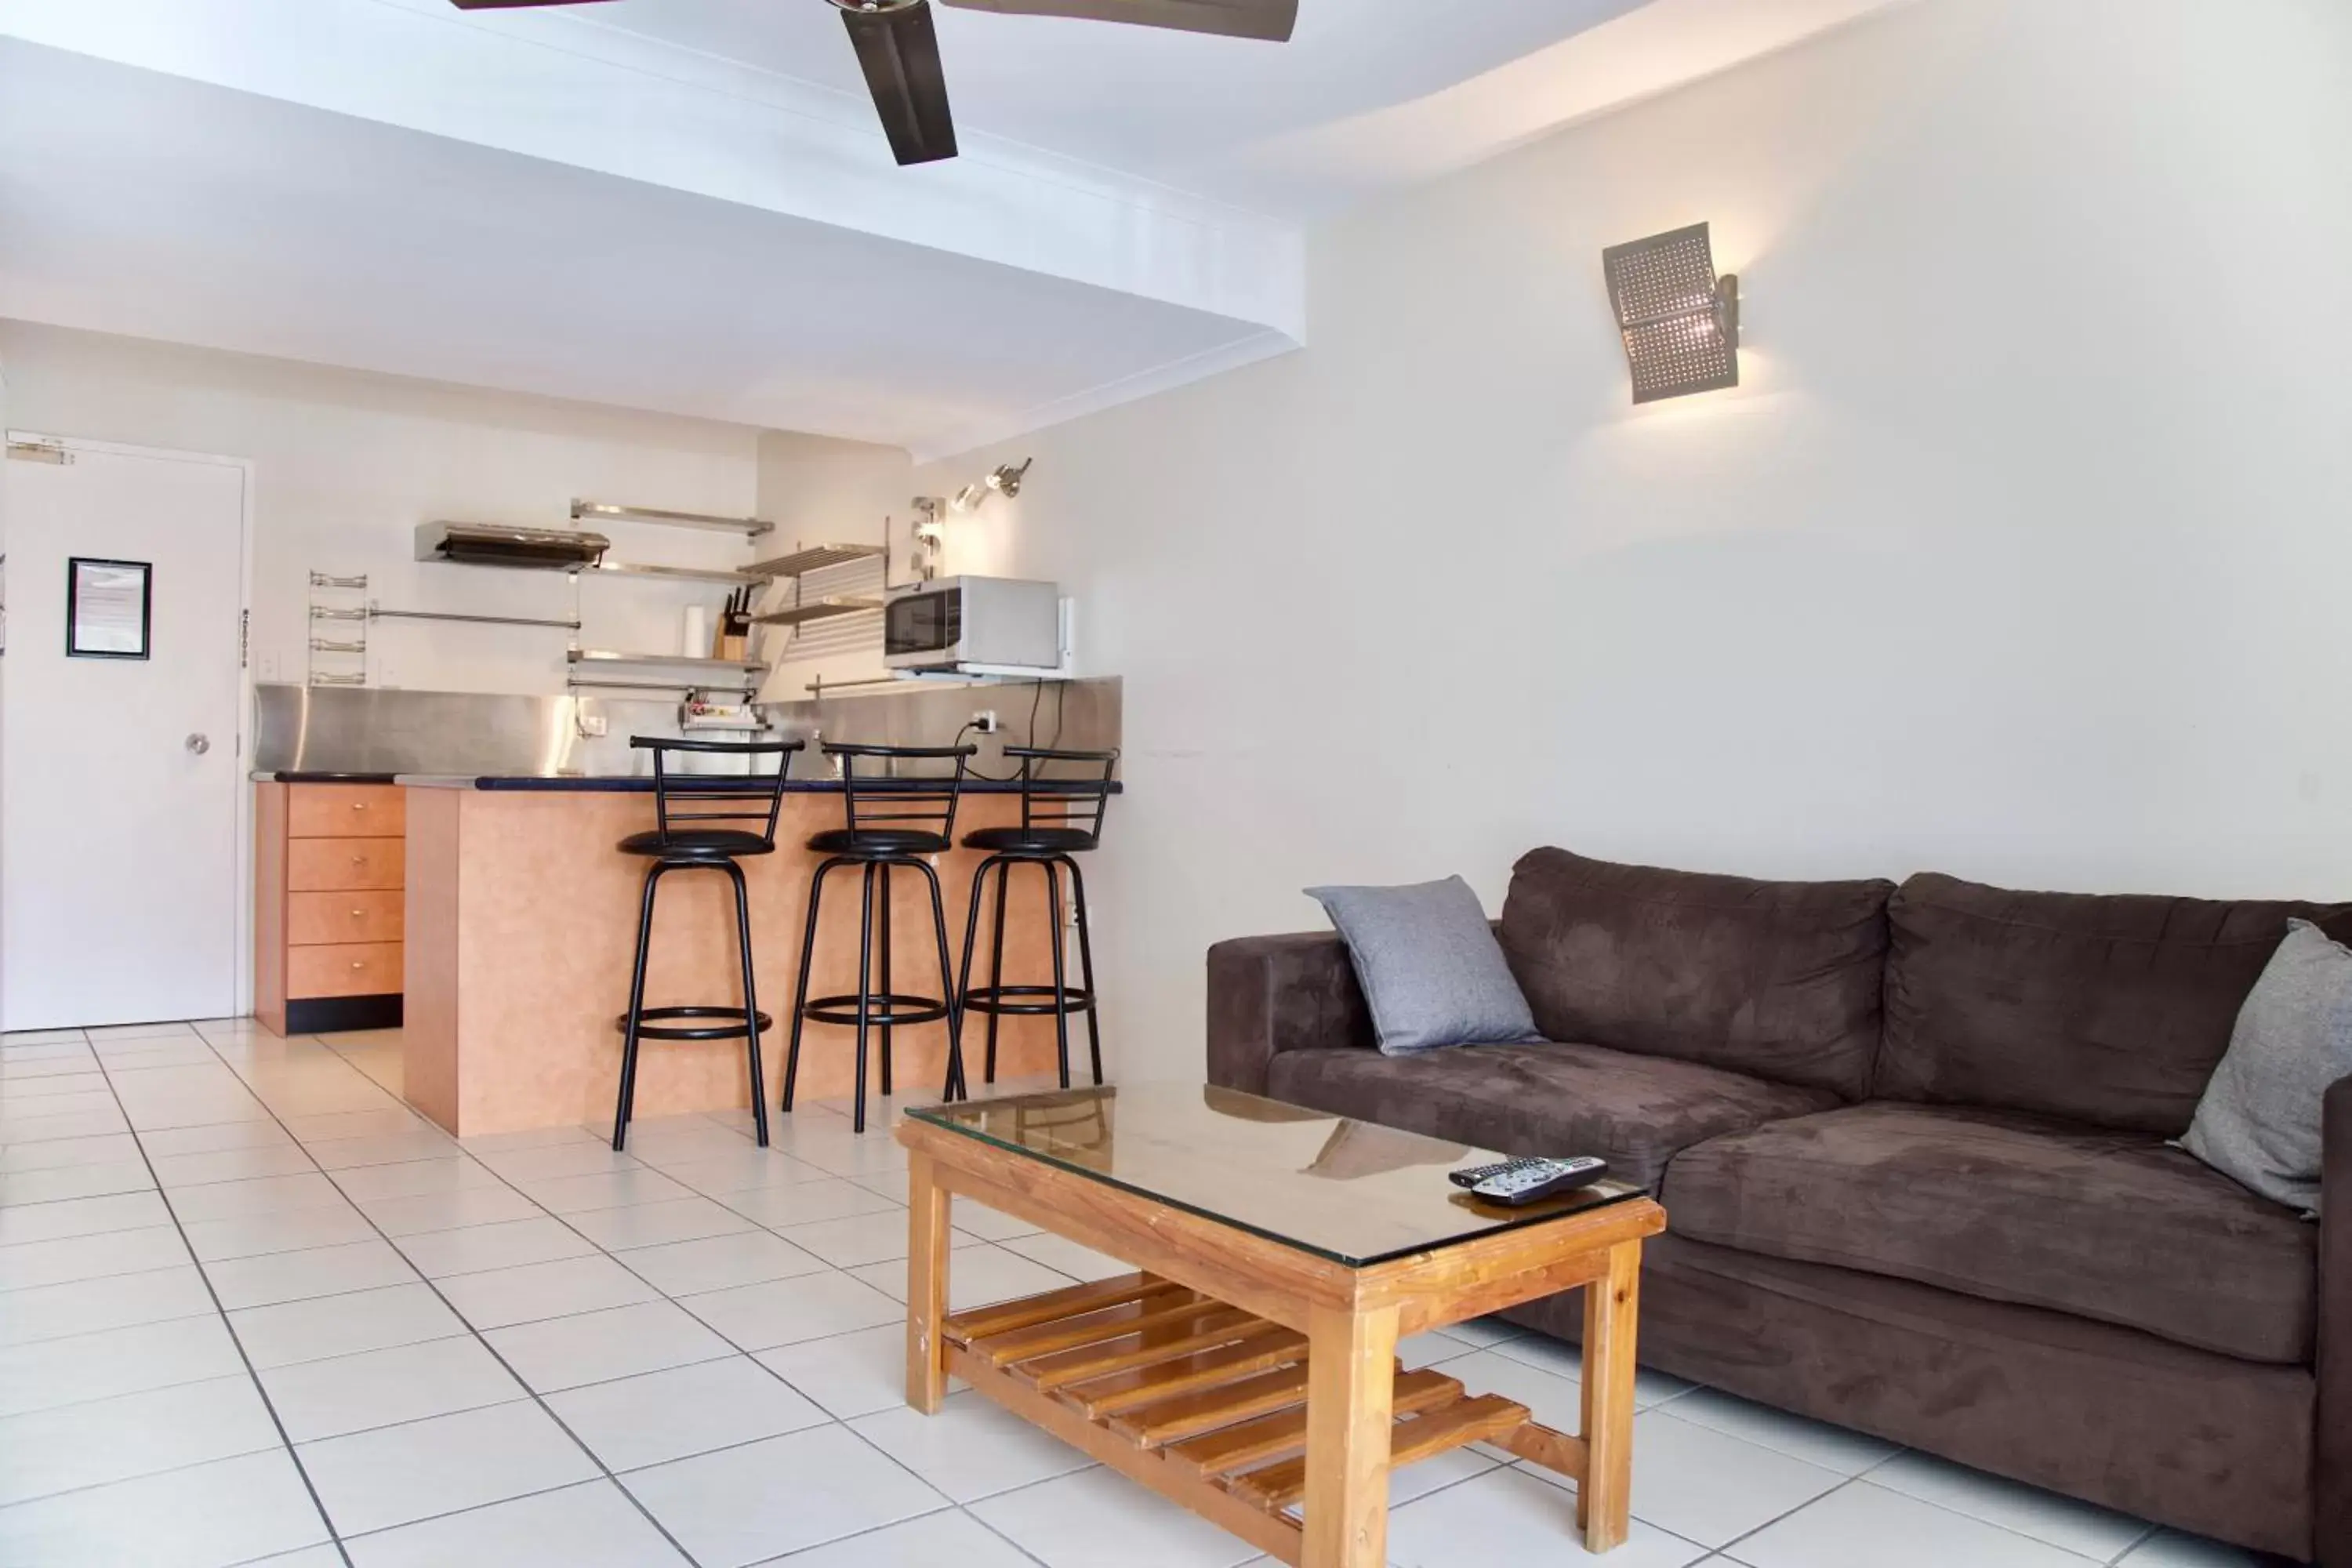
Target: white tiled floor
(253,1310)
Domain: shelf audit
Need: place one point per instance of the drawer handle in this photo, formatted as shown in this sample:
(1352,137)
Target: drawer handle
(358,963)
(359,914)
(359,806)
(359,860)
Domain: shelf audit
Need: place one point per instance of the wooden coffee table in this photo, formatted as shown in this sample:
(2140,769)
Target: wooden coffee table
(1247,1369)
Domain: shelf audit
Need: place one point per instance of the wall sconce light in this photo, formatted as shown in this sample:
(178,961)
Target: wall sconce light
(1005,479)
(1679,320)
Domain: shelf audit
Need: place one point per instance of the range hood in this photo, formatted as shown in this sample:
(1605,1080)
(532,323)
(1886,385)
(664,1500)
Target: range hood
(489,544)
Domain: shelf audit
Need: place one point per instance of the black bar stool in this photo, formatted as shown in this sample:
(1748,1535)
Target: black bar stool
(750,802)
(1059,816)
(892,823)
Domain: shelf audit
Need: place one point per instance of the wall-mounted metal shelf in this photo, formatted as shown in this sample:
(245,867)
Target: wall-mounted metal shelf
(673,573)
(666,660)
(814,558)
(377,613)
(577,682)
(749,526)
(329,611)
(823,609)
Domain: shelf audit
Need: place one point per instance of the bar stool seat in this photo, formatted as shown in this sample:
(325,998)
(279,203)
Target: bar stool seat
(704,844)
(864,841)
(1030,840)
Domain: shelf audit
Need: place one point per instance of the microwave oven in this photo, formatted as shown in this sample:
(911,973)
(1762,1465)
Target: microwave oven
(986,626)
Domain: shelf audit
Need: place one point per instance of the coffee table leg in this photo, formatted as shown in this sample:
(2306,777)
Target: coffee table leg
(1350,1388)
(1611,1306)
(927,1287)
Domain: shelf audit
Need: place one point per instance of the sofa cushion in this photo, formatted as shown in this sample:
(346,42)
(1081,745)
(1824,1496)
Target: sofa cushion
(1634,1112)
(2105,1225)
(2109,1010)
(1780,980)
(1429,966)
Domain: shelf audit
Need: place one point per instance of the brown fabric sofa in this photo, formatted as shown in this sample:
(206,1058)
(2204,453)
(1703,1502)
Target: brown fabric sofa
(1912,1143)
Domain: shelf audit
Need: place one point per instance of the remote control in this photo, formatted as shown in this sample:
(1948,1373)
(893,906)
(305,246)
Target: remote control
(1471,1176)
(1529,1180)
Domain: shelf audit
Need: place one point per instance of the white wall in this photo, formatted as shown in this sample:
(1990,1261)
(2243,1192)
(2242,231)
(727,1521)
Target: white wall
(2021,554)
(820,490)
(3,589)
(347,463)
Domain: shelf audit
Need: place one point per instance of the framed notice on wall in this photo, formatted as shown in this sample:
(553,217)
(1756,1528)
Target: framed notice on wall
(109,606)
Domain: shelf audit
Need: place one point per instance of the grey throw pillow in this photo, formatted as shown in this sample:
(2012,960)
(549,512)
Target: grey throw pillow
(1429,966)
(2259,1121)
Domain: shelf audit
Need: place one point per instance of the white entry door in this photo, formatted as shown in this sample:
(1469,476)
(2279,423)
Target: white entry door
(120,777)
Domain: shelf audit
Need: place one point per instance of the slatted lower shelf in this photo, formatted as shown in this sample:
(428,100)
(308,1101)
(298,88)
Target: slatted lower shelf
(1212,1396)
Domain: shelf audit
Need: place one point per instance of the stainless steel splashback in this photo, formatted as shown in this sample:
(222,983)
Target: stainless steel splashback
(1081,714)
(372,730)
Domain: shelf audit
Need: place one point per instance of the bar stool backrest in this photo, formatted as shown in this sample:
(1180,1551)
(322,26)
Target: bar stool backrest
(883,801)
(1074,798)
(746,802)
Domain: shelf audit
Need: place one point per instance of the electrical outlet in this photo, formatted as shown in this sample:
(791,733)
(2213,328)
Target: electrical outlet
(984,721)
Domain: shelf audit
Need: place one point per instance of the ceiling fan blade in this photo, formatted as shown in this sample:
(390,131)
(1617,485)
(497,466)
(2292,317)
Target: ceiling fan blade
(899,53)
(1269,19)
(504,4)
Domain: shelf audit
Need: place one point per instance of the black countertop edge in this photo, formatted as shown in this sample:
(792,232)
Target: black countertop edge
(288,775)
(639,786)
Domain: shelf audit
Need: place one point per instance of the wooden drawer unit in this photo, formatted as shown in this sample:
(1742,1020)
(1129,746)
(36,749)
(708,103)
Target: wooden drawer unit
(344,968)
(314,918)
(345,811)
(336,865)
(328,915)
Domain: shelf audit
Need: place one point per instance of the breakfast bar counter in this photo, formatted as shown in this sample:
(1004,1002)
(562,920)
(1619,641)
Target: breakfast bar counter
(522,928)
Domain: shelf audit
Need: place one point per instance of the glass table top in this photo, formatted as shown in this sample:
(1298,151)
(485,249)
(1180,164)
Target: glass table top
(1354,1192)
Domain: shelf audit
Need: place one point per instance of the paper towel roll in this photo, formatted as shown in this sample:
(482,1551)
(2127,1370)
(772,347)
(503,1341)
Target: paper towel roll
(694,634)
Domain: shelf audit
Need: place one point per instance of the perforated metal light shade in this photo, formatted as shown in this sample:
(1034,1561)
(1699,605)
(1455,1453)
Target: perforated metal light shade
(1679,322)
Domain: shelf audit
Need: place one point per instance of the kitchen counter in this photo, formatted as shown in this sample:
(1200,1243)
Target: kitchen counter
(612,784)
(522,928)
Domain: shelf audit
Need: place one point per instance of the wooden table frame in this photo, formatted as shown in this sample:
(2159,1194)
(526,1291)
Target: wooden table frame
(1222,1303)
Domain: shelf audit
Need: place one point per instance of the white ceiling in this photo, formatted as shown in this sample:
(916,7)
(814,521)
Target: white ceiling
(266,227)
(1203,114)
(686,205)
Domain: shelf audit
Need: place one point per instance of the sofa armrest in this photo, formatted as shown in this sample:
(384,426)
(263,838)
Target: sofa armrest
(1268,995)
(2333,1510)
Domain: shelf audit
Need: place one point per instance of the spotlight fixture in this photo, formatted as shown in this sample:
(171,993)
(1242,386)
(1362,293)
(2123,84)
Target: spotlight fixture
(929,529)
(1005,479)
(1679,320)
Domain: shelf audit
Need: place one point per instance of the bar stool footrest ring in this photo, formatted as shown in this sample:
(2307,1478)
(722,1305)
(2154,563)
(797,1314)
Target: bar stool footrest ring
(664,1023)
(893,1010)
(997,999)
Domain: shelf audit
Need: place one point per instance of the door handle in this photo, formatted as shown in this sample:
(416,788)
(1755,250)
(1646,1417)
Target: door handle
(200,744)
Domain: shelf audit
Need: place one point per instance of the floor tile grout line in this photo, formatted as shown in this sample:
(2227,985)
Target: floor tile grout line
(244,1357)
(999,1535)
(753,1356)
(2147,1532)
(736,1348)
(533,1393)
(783,1559)
(1863,1477)
(1870,1469)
